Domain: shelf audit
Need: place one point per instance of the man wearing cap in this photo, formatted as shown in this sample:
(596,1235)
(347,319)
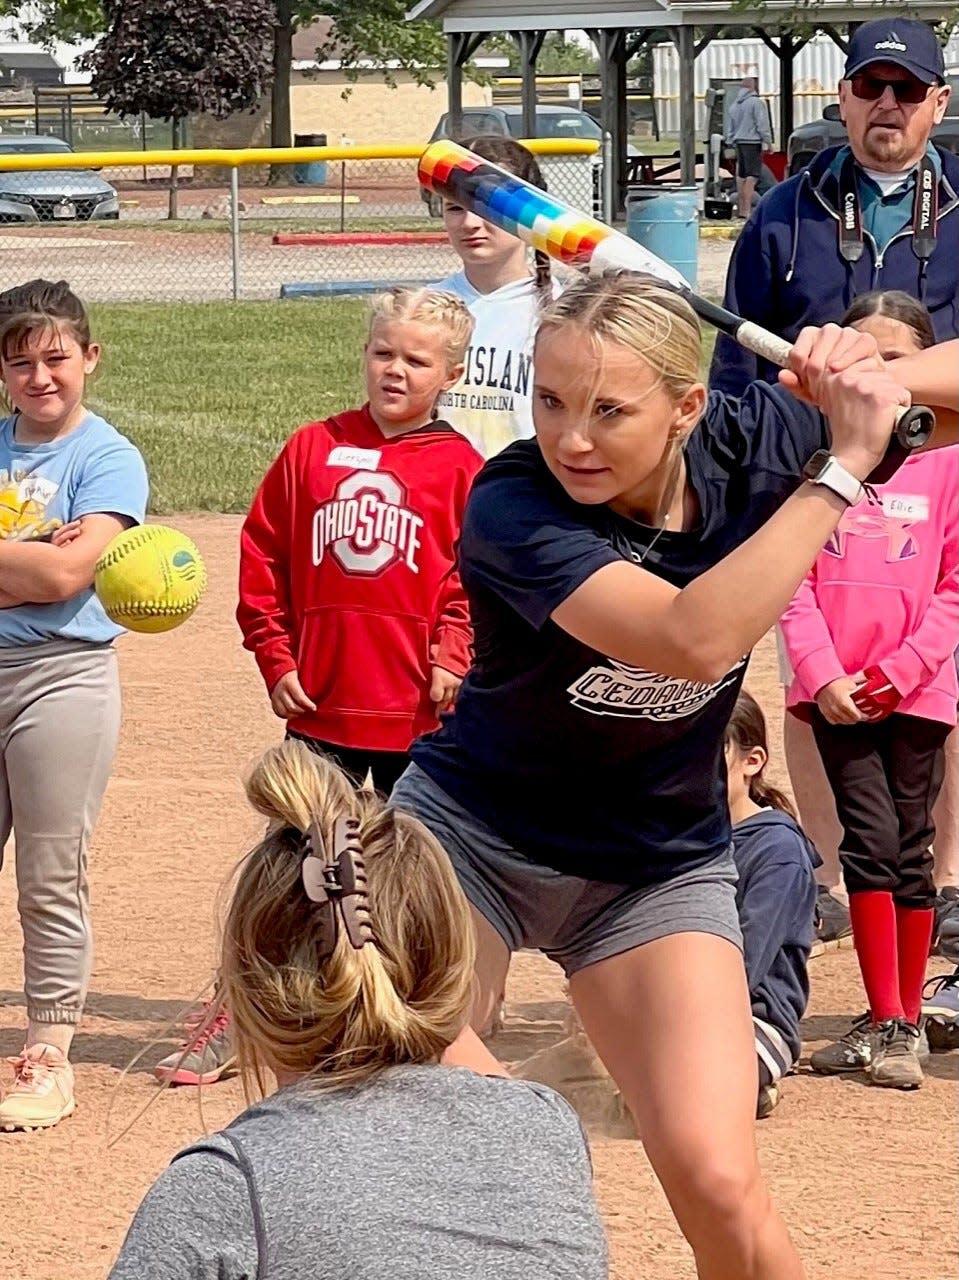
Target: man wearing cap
(881,212)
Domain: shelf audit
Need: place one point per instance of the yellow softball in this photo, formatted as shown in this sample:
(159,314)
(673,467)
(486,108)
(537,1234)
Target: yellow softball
(150,578)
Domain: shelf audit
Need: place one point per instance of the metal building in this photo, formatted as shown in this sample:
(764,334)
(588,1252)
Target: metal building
(619,28)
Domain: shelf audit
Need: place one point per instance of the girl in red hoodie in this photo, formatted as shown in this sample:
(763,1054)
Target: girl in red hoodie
(871,635)
(349,595)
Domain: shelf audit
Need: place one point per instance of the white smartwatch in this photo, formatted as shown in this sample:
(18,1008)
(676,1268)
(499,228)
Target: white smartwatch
(822,468)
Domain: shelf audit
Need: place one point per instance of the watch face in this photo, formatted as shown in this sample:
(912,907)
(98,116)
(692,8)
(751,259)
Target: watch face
(814,467)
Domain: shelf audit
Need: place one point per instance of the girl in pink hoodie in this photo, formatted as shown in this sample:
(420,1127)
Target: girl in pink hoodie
(871,636)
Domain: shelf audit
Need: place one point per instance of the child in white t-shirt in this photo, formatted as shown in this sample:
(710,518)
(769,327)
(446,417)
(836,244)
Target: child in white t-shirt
(492,402)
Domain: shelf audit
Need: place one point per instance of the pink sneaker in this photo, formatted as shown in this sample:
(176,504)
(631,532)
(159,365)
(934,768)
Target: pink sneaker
(206,1052)
(42,1092)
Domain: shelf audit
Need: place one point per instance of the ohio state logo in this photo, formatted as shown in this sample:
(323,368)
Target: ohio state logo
(365,526)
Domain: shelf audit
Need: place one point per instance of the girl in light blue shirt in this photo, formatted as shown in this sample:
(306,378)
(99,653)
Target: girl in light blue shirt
(60,465)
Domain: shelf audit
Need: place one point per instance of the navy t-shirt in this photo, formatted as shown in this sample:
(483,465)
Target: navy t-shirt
(578,761)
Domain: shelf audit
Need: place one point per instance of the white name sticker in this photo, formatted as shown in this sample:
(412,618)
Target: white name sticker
(905,506)
(356,459)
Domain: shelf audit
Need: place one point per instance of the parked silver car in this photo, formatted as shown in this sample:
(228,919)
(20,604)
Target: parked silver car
(51,195)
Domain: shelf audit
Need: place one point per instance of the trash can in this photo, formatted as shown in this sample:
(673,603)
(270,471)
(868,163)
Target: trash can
(314,172)
(665,220)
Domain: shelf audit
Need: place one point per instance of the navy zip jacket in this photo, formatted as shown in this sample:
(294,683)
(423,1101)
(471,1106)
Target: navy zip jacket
(786,270)
(776,900)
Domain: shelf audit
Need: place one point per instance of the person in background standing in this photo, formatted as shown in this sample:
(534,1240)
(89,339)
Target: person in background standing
(750,134)
(871,636)
(902,327)
(349,597)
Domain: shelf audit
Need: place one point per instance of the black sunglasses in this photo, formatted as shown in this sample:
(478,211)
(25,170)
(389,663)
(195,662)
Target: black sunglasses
(871,87)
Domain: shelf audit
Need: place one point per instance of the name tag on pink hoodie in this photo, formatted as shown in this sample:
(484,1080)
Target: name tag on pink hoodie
(905,506)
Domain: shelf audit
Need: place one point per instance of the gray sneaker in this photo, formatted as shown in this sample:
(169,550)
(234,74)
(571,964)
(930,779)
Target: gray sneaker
(206,1053)
(767,1101)
(945,939)
(940,1007)
(895,1059)
(851,1053)
(922,1046)
(832,916)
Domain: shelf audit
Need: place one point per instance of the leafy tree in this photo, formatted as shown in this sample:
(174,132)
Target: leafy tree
(172,60)
(563,57)
(558,56)
(806,17)
(67,20)
(363,31)
(74,20)
(376,32)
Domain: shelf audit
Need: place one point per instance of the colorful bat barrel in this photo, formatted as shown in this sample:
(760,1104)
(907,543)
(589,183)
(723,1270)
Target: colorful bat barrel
(543,221)
(499,197)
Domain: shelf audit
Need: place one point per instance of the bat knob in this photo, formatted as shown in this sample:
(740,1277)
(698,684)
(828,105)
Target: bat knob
(913,429)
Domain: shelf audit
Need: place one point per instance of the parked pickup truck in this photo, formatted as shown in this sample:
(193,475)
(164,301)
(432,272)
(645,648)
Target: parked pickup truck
(809,139)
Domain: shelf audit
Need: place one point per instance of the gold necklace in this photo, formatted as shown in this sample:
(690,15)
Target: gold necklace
(656,537)
(665,524)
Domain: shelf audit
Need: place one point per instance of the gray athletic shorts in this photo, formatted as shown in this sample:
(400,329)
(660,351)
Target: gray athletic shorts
(575,922)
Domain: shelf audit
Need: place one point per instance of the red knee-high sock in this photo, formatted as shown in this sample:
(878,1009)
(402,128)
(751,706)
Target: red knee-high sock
(914,934)
(873,918)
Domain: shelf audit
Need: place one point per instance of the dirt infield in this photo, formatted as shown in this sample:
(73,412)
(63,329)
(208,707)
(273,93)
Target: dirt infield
(866,1178)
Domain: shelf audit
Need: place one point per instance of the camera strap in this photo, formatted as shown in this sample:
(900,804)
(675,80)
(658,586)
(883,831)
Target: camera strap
(925,211)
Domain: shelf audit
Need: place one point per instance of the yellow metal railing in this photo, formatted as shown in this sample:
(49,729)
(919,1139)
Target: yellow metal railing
(261,262)
(230,159)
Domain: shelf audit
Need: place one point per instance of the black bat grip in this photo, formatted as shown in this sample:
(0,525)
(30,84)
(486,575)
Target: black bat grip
(914,427)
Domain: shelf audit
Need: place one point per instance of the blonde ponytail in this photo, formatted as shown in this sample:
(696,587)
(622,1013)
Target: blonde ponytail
(403,997)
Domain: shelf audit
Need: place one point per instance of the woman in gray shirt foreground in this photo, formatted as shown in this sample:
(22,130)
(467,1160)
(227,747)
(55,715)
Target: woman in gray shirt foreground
(347,963)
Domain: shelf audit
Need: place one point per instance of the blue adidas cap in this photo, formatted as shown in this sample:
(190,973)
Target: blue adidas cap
(905,42)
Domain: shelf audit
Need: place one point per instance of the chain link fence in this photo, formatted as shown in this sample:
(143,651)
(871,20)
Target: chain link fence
(207,226)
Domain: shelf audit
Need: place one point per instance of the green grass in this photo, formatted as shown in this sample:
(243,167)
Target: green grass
(662,146)
(209,391)
(709,341)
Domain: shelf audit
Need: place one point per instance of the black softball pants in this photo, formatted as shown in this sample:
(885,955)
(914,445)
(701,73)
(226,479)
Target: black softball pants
(385,766)
(885,776)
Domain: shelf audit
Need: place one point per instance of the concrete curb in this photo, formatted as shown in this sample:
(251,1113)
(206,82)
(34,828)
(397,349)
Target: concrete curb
(719,230)
(835,944)
(343,288)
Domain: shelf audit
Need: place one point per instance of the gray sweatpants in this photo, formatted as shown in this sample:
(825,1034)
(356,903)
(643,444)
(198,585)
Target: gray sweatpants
(59,722)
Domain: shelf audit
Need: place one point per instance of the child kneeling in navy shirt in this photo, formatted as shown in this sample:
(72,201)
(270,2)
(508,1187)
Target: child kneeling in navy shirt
(776,898)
